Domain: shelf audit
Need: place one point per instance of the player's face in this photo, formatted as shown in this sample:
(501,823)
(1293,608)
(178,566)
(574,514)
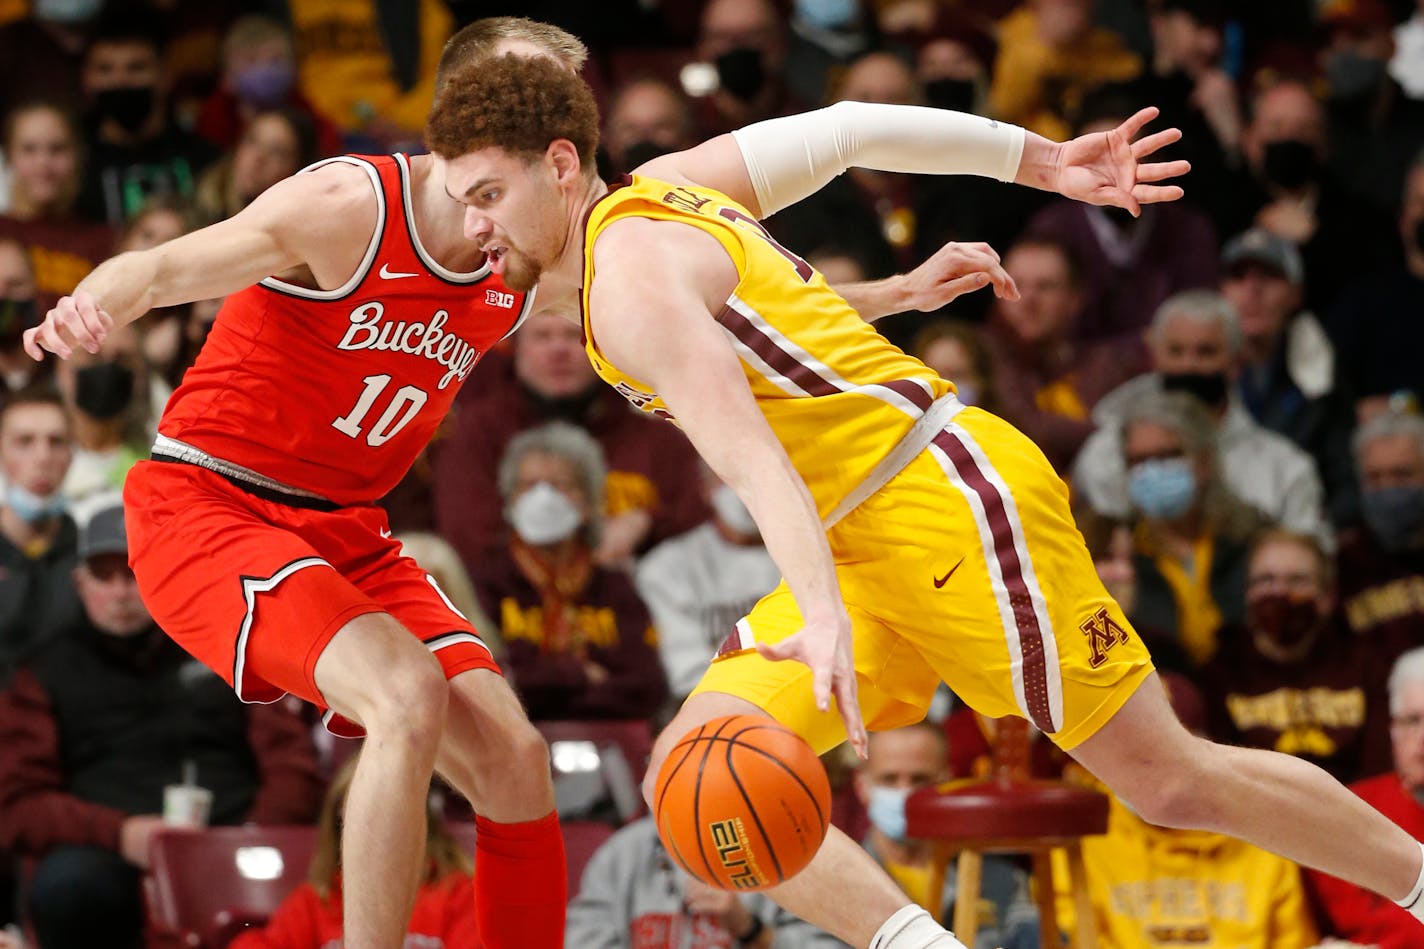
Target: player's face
(109,592)
(513,211)
(34,447)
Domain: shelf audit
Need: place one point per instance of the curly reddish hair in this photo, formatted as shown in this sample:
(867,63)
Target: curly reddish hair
(518,103)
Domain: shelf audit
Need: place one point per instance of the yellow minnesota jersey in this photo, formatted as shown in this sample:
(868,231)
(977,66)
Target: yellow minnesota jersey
(838,396)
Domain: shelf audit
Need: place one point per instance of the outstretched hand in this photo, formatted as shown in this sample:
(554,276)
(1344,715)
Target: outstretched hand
(75,320)
(826,649)
(1107,168)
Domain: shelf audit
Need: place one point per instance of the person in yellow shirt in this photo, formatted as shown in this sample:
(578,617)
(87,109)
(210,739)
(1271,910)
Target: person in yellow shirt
(369,66)
(1050,54)
(934,537)
(1155,886)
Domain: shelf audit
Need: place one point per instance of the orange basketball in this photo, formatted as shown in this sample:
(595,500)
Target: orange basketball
(742,803)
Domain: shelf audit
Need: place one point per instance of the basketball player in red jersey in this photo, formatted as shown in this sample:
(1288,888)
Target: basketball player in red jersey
(356,311)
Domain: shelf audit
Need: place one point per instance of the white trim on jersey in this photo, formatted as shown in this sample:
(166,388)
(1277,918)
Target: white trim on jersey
(474,276)
(272,283)
(523,314)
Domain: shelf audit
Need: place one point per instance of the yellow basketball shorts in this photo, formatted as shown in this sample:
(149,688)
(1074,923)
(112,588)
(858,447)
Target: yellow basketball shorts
(966,567)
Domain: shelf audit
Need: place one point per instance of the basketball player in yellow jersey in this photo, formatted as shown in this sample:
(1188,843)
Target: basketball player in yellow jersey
(935,537)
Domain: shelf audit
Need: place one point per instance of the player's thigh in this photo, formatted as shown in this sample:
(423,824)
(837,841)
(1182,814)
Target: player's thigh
(895,684)
(987,576)
(243,592)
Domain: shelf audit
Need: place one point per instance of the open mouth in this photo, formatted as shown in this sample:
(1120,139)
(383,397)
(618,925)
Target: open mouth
(496,254)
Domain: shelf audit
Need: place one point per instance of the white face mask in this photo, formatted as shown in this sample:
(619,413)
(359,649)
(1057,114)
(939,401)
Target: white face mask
(732,512)
(543,515)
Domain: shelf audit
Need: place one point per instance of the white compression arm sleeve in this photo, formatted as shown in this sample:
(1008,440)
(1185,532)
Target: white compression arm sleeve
(791,158)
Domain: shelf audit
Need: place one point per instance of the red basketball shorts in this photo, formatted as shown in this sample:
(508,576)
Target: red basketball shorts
(255,588)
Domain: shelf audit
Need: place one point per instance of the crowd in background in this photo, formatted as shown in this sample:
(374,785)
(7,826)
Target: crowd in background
(1230,384)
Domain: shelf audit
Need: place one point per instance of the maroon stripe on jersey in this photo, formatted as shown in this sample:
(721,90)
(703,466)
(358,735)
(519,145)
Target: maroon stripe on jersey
(916,393)
(1035,672)
(773,355)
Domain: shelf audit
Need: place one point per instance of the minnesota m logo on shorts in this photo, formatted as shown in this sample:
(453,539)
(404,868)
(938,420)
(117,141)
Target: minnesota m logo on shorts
(1103,633)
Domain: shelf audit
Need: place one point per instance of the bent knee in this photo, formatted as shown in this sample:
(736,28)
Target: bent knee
(413,697)
(1177,795)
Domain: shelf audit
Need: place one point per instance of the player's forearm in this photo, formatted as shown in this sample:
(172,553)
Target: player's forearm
(124,286)
(873,299)
(793,157)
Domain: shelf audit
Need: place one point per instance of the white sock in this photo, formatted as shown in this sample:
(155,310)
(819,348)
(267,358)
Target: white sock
(912,927)
(1414,902)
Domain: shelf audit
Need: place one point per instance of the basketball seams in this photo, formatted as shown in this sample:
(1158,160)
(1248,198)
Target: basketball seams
(691,742)
(815,802)
(697,798)
(732,744)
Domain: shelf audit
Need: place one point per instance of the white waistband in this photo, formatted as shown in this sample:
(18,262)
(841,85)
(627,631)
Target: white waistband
(916,440)
(173,448)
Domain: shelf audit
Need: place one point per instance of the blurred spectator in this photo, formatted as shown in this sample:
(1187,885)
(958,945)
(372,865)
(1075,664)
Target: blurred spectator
(1186,80)
(952,66)
(646,118)
(1287,376)
(652,491)
(1407,65)
(1191,531)
(1156,886)
(579,640)
(94,725)
(953,349)
(19,310)
(1130,264)
(107,397)
(699,584)
(273,146)
(134,148)
(158,220)
(1293,678)
(42,145)
(43,52)
(370,66)
(1376,340)
(746,41)
(1382,562)
(880,209)
(310,917)
(1352,913)
(824,37)
(1050,55)
(902,761)
(1287,190)
(1050,380)
(633,897)
(1195,345)
(1375,129)
(259,74)
(37,537)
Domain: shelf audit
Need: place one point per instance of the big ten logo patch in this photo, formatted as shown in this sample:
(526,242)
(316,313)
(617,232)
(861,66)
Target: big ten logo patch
(500,299)
(1103,633)
(728,838)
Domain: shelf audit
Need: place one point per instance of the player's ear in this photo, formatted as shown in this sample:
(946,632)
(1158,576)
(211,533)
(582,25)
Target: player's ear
(564,158)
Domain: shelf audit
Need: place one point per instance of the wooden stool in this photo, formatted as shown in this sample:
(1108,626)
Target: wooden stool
(1012,813)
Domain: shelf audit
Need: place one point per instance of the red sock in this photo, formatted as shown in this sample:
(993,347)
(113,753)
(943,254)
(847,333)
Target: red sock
(521,883)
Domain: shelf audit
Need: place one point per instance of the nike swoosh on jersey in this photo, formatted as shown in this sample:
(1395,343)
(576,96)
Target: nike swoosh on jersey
(388,274)
(941,581)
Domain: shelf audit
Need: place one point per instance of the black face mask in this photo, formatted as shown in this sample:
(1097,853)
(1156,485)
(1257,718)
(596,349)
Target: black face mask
(1207,387)
(16,316)
(955,94)
(1291,164)
(742,73)
(103,391)
(129,106)
(640,152)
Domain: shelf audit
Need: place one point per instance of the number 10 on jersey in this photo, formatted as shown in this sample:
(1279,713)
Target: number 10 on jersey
(406,402)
